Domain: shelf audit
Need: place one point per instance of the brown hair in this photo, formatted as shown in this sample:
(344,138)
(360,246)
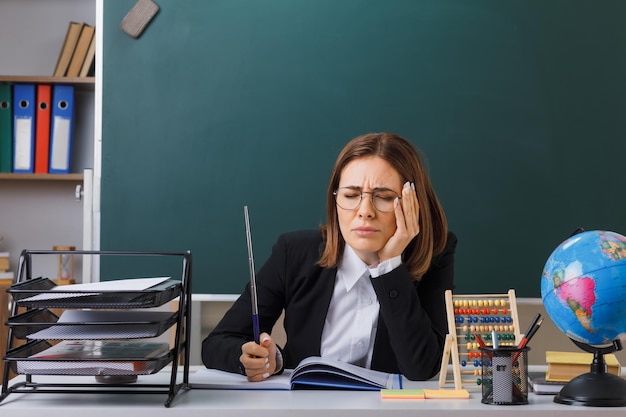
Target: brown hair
(401,154)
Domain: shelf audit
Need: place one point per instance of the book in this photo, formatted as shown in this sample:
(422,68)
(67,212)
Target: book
(420,394)
(80,52)
(88,64)
(311,373)
(105,356)
(541,386)
(563,366)
(67,49)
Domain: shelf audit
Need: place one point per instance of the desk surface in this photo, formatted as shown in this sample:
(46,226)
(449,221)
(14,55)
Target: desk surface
(201,403)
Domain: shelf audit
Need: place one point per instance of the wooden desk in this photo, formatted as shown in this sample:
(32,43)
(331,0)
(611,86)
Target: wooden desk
(201,403)
(4,315)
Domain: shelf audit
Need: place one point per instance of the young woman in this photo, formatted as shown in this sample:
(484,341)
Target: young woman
(367,288)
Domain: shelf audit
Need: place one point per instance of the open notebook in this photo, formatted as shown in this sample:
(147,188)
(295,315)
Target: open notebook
(311,373)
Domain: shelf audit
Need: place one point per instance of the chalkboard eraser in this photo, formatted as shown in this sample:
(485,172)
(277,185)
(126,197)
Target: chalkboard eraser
(138,17)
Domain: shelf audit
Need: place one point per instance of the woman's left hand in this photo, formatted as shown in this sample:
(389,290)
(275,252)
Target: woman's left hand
(407,224)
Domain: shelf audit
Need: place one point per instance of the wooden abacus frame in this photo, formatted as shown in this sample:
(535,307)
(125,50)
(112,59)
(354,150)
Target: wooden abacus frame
(475,305)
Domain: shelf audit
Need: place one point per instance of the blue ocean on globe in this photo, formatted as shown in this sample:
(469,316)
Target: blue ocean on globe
(583,287)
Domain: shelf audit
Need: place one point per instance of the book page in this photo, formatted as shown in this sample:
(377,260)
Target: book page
(215,379)
(330,372)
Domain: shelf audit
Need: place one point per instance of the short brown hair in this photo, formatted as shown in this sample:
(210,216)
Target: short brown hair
(404,157)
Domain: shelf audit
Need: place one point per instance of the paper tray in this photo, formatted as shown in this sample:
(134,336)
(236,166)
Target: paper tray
(31,321)
(21,363)
(24,292)
(92,324)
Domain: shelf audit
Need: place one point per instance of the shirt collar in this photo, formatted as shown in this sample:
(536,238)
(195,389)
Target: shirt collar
(351,268)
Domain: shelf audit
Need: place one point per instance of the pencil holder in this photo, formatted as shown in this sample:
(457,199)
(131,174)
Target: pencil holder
(505,375)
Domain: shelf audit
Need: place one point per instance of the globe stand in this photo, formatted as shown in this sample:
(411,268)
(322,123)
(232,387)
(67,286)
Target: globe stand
(596,388)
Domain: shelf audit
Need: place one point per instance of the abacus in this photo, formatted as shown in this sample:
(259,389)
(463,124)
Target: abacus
(470,315)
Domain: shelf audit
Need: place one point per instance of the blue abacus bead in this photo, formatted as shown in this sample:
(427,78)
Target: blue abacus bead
(476,363)
(497,319)
(463,362)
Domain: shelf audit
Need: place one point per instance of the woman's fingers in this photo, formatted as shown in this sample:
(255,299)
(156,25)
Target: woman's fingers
(257,360)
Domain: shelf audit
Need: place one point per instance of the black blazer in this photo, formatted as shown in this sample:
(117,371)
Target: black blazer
(411,325)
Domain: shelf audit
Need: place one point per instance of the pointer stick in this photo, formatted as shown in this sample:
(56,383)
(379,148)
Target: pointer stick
(255,304)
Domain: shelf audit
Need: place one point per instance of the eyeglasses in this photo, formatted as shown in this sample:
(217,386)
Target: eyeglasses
(350,199)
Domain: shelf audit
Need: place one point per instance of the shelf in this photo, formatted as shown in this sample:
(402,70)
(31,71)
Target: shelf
(82,83)
(42,177)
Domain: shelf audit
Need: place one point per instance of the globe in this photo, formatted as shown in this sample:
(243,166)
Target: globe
(583,287)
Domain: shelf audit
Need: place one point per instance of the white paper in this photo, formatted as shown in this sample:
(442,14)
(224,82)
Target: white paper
(88,324)
(91,289)
(215,379)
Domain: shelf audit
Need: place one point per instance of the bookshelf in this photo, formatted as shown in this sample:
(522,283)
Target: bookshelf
(81,83)
(42,210)
(42,177)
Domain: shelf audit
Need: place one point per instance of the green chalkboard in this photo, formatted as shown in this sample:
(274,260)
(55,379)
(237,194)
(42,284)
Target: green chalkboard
(519,107)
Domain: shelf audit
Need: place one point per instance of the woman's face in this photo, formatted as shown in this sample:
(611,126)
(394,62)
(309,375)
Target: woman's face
(366,229)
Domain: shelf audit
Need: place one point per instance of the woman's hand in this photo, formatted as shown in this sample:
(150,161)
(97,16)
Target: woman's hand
(259,360)
(407,224)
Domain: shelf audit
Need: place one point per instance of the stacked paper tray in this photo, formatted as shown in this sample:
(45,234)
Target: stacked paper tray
(23,360)
(91,324)
(44,293)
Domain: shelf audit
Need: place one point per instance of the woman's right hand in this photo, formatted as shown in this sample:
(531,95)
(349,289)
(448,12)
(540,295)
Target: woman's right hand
(259,360)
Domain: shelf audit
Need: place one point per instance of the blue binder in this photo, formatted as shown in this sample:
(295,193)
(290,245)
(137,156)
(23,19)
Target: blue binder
(61,129)
(24,105)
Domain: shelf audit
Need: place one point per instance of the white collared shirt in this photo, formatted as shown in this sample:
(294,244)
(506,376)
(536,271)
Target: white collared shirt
(352,319)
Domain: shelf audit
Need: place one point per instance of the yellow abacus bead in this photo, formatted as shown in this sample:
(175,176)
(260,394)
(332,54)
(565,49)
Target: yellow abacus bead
(480,303)
(490,302)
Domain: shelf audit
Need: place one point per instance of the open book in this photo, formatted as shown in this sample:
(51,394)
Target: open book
(311,373)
